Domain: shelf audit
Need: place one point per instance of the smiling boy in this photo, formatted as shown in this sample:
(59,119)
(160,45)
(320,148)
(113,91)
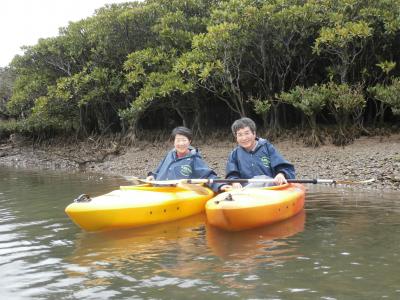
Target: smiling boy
(255,156)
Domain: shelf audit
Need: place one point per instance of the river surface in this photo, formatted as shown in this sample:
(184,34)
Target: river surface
(344,245)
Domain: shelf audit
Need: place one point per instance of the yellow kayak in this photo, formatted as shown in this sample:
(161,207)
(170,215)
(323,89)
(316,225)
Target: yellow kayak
(134,206)
(255,207)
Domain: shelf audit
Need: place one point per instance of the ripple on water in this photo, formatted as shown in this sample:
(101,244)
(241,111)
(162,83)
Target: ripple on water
(347,240)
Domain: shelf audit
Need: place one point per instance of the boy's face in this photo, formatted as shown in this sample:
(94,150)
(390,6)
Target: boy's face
(246,138)
(181,143)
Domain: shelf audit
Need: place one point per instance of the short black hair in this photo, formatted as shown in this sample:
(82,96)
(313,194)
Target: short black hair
(182,131)
(243,123)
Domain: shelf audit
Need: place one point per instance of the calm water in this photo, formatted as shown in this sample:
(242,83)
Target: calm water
(345,245)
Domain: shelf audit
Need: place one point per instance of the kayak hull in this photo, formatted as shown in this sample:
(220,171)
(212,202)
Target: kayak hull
(135,206)
(255,207)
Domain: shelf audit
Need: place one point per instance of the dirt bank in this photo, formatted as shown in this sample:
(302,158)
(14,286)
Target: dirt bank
(367,157)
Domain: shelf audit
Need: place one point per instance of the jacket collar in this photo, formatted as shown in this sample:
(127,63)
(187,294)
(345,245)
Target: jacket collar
(192,152)
(260,143)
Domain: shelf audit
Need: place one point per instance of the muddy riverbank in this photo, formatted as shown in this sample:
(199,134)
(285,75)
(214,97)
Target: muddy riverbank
(367,157)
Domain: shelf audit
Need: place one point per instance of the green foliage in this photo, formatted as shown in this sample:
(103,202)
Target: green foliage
(148,72)
(26,90)
(143,62)
(345,103)
(216,60)
(143,66)
(311,101)
(7,128)
(7,78)
(387,66)
(261,106)
(151,73)
(388,94)
(338,37)
(33,128)
(343,99)
(173,29)
(116,30)
(351,29)
(108,71)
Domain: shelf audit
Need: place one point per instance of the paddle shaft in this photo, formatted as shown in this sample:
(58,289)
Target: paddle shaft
(257,180)
(251,180)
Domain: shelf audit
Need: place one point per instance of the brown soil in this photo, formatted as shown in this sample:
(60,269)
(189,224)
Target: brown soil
(367,157)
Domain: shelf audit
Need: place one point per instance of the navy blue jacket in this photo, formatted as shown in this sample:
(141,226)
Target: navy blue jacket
(264,160)
(190,166)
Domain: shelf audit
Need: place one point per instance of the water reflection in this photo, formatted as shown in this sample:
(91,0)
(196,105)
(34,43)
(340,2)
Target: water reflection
(187,253)
(347,240)
(117,245)
(246,255)
(143,242)
(265,241)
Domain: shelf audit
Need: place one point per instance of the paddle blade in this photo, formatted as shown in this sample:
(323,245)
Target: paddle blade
(136,181)
(354,181)
(201,190)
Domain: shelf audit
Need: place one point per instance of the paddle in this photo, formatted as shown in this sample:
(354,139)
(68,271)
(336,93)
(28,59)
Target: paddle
(179,183)
(271,180)
(193,184)
(255,180)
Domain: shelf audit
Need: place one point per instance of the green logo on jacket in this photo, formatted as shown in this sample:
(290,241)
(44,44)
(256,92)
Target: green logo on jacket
(265,161)
(186,170)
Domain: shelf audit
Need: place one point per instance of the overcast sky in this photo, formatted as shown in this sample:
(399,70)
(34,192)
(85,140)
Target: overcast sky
(23,22)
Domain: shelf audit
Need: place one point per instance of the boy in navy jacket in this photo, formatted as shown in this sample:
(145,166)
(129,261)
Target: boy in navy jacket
(184,161)
(255,157)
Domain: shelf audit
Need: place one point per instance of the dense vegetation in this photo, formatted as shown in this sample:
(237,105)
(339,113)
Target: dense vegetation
(156,64)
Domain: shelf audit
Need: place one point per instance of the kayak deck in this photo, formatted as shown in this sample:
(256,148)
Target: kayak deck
(134,206)
(255,207)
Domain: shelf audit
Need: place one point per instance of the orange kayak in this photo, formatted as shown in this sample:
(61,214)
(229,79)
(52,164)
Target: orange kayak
(254,207)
